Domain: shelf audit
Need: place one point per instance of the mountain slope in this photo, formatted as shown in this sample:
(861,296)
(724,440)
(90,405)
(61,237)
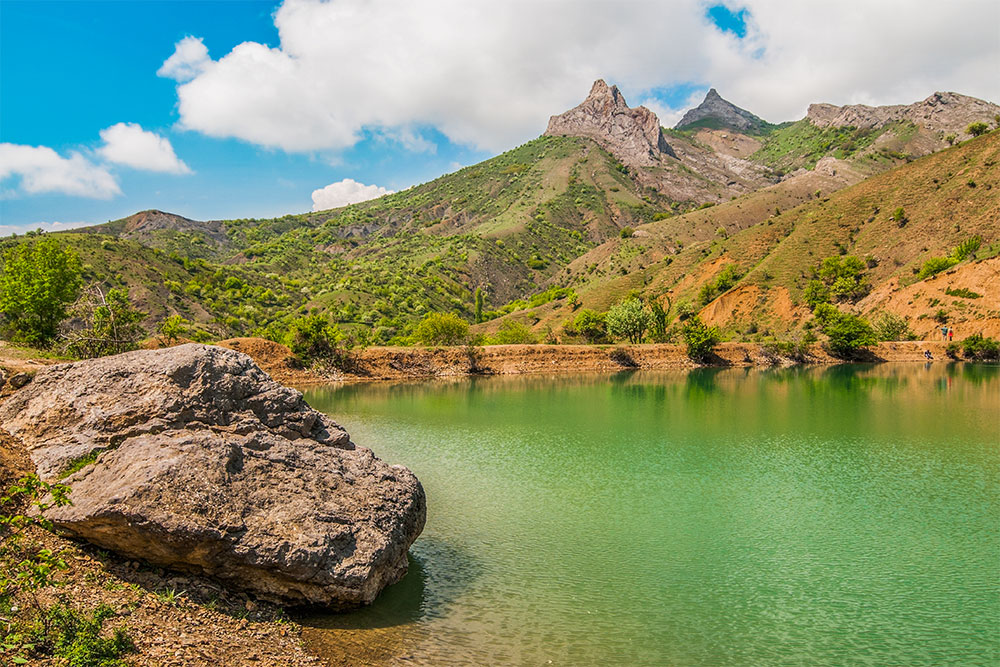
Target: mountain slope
(717,113)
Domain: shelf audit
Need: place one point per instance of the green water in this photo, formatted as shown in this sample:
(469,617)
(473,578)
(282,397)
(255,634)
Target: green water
(825,516)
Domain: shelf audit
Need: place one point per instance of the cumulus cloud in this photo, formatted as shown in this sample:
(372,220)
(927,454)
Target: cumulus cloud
(342,193)
(190,59)
(129,144)
(489,74)
(42,170)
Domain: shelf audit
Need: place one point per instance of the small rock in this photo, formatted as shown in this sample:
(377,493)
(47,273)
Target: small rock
(20,380)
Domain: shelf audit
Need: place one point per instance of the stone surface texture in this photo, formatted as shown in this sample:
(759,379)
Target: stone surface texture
(723,111)
(631,135)
(206,465)
(941,112)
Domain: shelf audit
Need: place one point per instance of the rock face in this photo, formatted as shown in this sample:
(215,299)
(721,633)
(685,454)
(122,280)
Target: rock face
(207,465)
(631,135)
(724,113)
(941,112)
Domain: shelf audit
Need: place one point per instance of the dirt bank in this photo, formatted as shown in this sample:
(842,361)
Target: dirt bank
(399,363)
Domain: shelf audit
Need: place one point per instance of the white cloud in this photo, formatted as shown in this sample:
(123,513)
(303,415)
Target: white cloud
(190,59)
(342,193)
(129,144)
(490,74)
(41,170)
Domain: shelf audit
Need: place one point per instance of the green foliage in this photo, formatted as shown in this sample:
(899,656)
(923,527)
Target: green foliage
(442,329)
(629,320)
(591,325)
(626,233)
(659,318)
(845,278)
(513,333)
(802,144)
(890,326)
(173,329)
(967,248)
(77,639)
(980,348)
(963,292)
(700,339)
(723,282)
(38,281)
(935,265)
(816,292)
(479,305)
(977,129)
(314,339)
(111,324)
(846,332)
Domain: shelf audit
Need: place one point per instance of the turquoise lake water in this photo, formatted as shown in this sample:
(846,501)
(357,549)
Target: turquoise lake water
(847,515)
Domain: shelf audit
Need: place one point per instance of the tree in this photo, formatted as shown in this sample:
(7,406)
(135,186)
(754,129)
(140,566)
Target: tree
(111,324)
(173,329)
(591,325)
(659,320)
(844,276)
(978,128)
(629,320)
(442,329)
(479,305)
(38,282)
(699,338)
(514,333)
(312,338)
(891,326)
(846,332)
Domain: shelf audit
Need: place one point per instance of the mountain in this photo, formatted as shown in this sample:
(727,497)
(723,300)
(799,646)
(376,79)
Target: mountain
(717,113)
(604,203)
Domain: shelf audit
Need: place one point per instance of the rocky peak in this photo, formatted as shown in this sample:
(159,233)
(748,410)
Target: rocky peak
(631,135)
(725,113)
(941,112)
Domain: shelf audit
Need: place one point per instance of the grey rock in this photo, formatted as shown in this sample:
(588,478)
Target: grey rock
(206,465)
(631,135)
(725,113)
(941,112)
(19,380)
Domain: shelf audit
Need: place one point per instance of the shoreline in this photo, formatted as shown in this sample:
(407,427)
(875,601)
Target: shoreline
(389,364)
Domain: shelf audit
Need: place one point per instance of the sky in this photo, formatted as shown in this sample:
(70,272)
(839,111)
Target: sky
(239,109)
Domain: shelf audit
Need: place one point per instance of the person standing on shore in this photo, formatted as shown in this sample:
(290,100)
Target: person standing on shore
(951,334)
(944,333)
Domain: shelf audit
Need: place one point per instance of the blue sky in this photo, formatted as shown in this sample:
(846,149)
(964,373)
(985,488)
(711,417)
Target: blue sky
(275,101)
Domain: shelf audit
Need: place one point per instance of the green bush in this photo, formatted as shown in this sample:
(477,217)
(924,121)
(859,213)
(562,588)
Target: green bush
(313,339)
(890,326)
(591,325)
(629,320)
(700,339)
(977,129)
(816,292)
(626,232)
(846,332)
(513,333)
(981,349)
(935,265)
(441,329)
(111,324)
(723,282)
(845,277)
(38,282)
(173,329)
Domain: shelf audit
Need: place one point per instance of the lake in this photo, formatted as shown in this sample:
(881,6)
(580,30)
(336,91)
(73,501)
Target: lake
(804,516)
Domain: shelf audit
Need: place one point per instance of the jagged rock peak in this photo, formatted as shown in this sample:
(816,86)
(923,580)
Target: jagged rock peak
(723,112)
(941,112)
(631,135)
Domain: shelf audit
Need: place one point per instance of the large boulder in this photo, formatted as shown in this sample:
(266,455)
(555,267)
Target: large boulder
(204,464)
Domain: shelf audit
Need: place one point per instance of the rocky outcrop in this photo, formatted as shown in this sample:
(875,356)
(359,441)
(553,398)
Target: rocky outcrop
(941,112)
(724,113)
(631,135)
(204,464)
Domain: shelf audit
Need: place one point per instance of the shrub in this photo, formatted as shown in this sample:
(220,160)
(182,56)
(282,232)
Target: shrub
(977,129)
(816,292)
(699,338)
(38,282)
(659,317)
(173,329)
(442,329)
(892,327)
(591,325)
(629,320)
(981,349)
(935,265)
(313,339)
(111,324)
(963,292)
(966,248)
(513,333)
(844,276)
(627,232)
(846,332)
(723,282)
